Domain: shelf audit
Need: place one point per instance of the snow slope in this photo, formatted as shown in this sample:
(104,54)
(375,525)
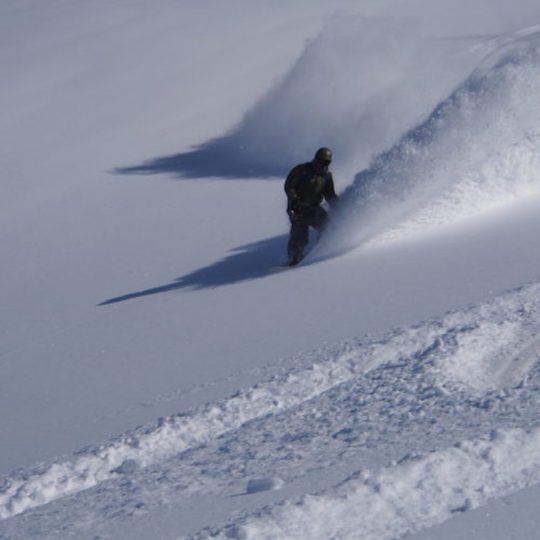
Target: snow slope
(143,143)
(431,388)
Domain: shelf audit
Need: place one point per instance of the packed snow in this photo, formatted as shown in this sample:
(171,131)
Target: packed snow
(158,377)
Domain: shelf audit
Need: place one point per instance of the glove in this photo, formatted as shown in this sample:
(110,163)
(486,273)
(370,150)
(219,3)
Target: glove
(292,207)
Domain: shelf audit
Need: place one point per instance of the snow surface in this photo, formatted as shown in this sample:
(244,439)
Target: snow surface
(159,380)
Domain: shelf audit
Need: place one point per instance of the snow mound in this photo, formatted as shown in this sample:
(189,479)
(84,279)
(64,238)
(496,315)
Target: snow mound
(408,496)
(478,151)
(256,485)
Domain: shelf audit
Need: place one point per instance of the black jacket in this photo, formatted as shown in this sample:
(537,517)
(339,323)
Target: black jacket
(305,187)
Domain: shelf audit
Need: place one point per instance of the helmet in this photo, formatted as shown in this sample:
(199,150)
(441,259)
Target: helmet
(323,154)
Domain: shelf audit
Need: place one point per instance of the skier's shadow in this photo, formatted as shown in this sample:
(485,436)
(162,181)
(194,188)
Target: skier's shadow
(222,157)
(247,262)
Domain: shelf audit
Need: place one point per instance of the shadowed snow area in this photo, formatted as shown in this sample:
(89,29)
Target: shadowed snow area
(243,263)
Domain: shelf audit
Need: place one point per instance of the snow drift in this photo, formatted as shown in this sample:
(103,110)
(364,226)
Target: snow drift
(406,497)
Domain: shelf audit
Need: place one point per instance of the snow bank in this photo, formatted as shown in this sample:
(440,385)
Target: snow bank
(405,497)
(478,151)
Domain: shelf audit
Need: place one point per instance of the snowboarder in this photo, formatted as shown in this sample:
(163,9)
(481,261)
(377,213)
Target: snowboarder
(306,186)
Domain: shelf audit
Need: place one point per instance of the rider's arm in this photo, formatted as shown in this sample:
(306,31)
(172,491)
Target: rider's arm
(292,183)
(329,191)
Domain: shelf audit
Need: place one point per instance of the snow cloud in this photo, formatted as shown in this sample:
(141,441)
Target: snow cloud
(478,151)
(356,87)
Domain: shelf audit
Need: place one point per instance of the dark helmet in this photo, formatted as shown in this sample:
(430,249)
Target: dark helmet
(324,154)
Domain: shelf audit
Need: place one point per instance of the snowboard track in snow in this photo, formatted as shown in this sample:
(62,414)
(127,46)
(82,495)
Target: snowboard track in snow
(475,370)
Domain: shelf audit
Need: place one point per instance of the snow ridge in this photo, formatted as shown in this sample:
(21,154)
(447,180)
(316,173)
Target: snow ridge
(419,492)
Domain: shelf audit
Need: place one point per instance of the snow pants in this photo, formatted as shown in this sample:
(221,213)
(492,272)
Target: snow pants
(300,224)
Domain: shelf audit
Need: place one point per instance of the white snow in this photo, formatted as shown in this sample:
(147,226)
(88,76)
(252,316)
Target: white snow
(158,380)
(408,496)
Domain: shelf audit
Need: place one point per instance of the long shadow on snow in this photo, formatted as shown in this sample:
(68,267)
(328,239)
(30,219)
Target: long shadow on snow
(222,157)
(247,262)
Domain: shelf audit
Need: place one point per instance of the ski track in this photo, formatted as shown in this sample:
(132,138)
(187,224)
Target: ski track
(422,388)
(417,493)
